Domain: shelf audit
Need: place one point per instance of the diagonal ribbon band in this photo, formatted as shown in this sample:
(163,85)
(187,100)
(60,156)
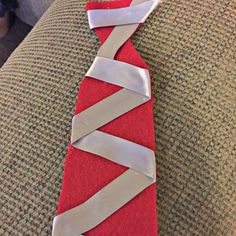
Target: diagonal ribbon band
(121,151)
(105,202)
(136,91)
(121,16)
(121,74)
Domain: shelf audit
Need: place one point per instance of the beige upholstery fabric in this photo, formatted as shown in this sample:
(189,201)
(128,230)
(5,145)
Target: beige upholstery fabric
(190,48)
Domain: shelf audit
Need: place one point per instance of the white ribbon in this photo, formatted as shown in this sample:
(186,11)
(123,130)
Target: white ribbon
(121,74)
(136,90)
(121,16)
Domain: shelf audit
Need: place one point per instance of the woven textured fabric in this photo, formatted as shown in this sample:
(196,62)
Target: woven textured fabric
(190,47)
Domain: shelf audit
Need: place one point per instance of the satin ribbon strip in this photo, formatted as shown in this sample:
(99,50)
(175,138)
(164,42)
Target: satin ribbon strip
(88,121)
(86,216)
(121,16)
(139,159)
(121,151)
(121,74)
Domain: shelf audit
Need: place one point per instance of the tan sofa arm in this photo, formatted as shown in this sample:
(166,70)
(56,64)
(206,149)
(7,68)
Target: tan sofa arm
(190,48)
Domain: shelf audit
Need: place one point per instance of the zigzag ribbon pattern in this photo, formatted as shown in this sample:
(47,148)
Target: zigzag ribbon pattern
(85,136)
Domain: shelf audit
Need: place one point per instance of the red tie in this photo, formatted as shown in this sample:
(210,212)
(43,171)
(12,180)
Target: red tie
(86,173)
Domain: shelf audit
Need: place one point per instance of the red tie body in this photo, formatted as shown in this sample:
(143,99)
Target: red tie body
(86,173)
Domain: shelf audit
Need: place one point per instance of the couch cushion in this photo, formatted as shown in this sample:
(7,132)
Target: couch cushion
(190,49)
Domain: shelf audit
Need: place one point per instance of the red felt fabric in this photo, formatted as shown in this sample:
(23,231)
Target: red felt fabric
(86,173)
